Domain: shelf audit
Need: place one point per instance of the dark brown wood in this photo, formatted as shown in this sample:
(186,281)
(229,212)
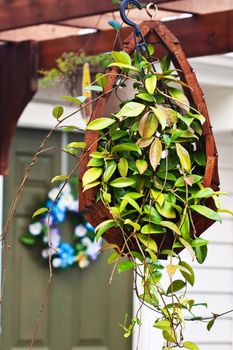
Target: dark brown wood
(18,76)
(157,33)
(22,13)
(210,34)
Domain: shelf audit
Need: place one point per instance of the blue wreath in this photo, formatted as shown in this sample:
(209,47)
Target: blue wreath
(83,248)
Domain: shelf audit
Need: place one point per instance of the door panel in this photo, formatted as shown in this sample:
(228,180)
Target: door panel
(83,311)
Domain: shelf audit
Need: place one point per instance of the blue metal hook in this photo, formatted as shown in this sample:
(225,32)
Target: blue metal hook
(140,43)
(125,19)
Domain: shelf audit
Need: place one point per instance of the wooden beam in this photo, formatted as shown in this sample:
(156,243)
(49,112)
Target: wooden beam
(18,70)
(22,13)
(47,11)
(198,6)
(200,35)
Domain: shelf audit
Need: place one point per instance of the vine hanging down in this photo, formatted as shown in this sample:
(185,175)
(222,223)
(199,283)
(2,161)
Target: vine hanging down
(148,170)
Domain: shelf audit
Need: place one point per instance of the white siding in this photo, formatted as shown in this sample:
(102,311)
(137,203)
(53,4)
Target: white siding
(214,279)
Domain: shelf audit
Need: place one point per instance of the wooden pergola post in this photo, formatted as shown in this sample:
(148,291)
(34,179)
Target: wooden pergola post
(18,84)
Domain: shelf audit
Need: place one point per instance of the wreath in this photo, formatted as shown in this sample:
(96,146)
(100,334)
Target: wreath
(64,254)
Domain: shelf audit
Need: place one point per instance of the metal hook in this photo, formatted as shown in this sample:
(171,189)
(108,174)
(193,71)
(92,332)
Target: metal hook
(125,19)
(152,10)
(140,43)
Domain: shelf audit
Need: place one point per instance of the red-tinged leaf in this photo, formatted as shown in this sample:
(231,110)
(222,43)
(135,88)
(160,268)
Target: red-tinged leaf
(145,142)
(148,125)
(155,153)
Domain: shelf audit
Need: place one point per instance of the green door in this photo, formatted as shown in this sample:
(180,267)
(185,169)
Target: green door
(83,311)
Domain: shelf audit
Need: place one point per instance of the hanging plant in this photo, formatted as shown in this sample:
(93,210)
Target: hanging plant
(46,232)
(151,179)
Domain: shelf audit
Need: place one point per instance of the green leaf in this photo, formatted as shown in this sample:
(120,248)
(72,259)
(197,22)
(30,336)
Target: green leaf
(175,286)
(171,226)
(151,49)
(59,178)
(91,185)
(135,225)
(180,98)
(95,88)
(152,229)
(145,96)
(166,210)
(131,147)
(199,117)
(148,125)
(188,246)
(100,123)
(76,145)
(126,266)
(165,63)
(163,175)
(95,162)
(175,135)
(141,165)
(132,202)
(188,121)
(163,324)
(207,212)
(40,211)
(184,157)
(185,228)
(103,227)
(190,345)
(98,155)
(58,111)
(158,196)
(27,239)
(76,100)
(148,242)
(131,109)
(204,193)
(199,242)
(91,175)
(210,324)
(200,158)
(170,335)
(123,65)
(160,116)
(155,153)
(113,257)
(121,57)
(101,79)
(150,83)
(110,167)
(201,253)
(123,167)
(153,256)
(117,134)
(122,182)
(188,274)
(152,212)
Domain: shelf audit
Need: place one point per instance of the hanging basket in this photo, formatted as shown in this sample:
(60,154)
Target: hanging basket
(165,42)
